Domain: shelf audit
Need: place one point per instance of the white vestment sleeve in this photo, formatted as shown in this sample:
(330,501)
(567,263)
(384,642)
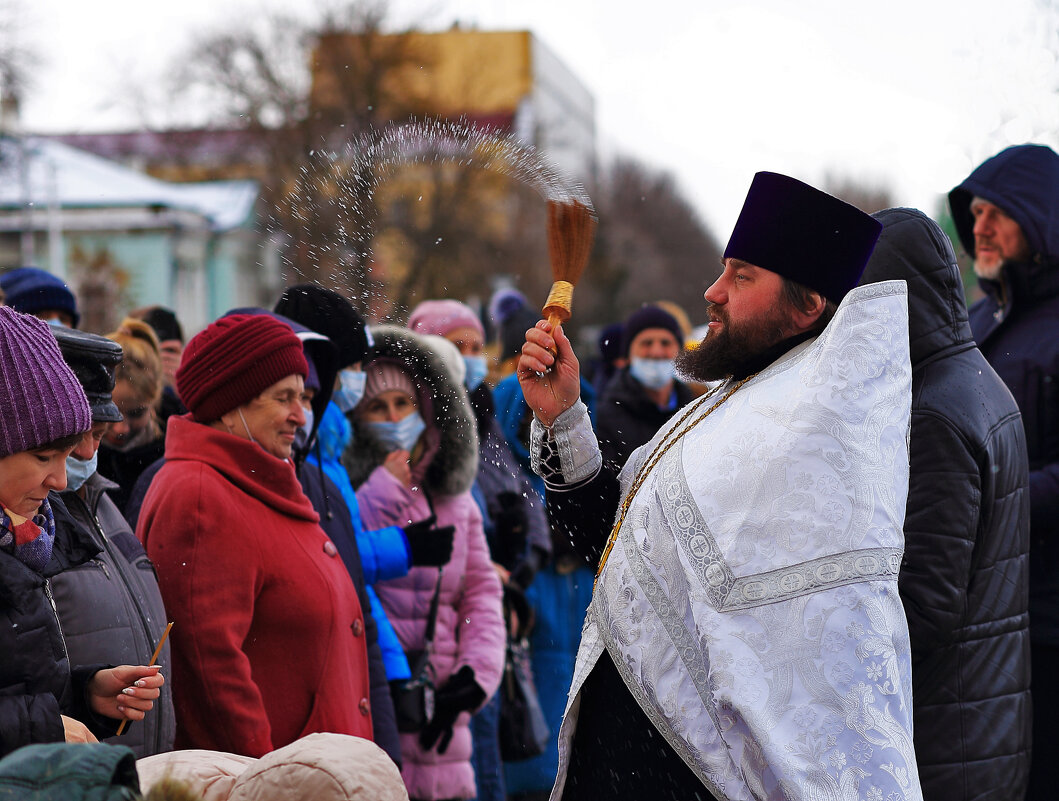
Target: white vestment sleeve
(567,454)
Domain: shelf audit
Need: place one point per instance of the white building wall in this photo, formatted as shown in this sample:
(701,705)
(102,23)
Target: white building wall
(563,114)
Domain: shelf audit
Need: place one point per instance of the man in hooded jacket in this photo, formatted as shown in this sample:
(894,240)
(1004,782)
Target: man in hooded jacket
(964,579)
(1007,217)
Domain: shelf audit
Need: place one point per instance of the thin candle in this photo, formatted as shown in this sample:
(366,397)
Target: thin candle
(154,659)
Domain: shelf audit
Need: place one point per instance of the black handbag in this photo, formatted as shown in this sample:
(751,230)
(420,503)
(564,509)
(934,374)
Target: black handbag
(413,698)
(524,732)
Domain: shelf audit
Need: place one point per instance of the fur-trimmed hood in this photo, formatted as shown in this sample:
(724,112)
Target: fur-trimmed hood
(442,402)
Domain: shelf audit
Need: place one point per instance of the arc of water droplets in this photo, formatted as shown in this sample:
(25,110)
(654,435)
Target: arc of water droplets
(454,142)
(366,162)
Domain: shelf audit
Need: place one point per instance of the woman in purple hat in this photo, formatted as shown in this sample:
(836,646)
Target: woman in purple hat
(42,697)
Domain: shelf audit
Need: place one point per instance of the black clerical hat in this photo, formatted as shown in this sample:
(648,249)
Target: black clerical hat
(803,234)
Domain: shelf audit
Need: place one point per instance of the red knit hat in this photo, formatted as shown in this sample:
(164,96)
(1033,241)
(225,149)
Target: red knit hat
(234,360)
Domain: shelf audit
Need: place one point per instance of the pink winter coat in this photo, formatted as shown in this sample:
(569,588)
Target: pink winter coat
(470,628)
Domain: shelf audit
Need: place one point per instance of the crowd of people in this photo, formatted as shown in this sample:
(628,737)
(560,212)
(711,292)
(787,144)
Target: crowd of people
(788,558)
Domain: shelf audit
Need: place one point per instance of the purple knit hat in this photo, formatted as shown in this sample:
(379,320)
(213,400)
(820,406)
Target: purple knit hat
(442,316)
(40,397)
(384,375)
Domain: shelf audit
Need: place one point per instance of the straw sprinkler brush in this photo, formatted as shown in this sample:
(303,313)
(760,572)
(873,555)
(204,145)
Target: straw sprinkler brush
(571,227)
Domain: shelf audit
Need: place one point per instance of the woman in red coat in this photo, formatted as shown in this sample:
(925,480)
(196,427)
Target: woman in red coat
(268,635)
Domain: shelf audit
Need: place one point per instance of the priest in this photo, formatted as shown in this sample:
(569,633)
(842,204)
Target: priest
(745,638)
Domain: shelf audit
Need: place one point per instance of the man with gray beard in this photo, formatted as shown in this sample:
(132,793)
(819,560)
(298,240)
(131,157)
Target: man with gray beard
(1007,217)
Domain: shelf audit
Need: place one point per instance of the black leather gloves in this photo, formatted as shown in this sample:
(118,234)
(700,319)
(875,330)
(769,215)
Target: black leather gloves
(460,693)
(431,545)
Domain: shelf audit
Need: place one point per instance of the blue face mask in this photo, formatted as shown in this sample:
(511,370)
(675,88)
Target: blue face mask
(400,436)
(653,373)
(350,390)
(301,436)
(477,367)
(78,471)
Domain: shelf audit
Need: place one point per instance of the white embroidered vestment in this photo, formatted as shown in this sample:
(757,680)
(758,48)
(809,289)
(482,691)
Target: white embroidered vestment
(750,601)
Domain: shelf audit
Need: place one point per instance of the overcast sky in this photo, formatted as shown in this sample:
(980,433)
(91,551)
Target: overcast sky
(907,94)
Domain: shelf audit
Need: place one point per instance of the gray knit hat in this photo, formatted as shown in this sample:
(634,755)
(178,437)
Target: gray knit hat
(41,399)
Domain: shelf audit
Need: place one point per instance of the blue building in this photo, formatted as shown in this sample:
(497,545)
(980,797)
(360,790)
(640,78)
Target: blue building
(122,239)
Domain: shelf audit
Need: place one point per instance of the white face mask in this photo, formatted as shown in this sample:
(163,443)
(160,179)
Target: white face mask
(350,390)
(301,436)
(78,471)
(399,436)
(653,373)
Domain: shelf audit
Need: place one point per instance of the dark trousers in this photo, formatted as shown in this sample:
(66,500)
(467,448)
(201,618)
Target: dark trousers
(1044,767)
(618,754)
(488,774)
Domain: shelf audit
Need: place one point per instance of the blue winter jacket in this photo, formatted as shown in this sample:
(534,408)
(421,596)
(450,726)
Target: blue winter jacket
(384,553)
(511,411)
(1016,326)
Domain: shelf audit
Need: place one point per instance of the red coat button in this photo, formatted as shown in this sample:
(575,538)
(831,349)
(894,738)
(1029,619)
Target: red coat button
(365,707)
(358,628)
(330,549)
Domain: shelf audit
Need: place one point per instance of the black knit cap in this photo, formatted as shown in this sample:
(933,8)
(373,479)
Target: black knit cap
(328,313)
(93,359)
(163,321)
(803,234)
(649,317)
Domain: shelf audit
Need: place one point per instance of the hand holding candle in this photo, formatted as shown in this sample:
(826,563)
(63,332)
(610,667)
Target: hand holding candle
(137,696)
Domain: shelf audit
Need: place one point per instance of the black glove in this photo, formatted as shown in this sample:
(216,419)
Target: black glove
(460,693)
(511,525)
(431,546)
(525,571)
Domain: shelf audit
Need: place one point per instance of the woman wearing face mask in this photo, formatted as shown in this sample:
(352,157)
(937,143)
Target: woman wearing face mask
(137,440)
(646,393)
(44,697)
(515,523)
(268,635)
(414,455)
(110,608)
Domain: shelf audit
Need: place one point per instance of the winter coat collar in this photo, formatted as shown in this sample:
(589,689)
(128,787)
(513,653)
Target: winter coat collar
(258,474)
(96,485)
(72,547)
(443,403)
(1022,286)
(914,249)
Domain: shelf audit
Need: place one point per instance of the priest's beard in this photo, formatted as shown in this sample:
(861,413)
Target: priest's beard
(737,348)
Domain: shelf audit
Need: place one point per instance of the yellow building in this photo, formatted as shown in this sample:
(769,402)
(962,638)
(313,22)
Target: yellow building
(445,229)
(505,79)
